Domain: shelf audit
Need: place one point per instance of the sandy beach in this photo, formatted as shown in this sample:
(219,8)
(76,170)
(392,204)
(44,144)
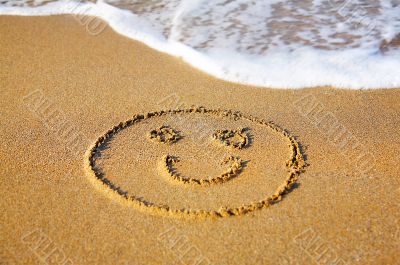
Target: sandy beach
(315,180)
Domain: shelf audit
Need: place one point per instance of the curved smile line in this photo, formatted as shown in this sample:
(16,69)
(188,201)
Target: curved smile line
(236,166)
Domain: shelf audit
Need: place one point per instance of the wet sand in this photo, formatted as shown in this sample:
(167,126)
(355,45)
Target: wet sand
(63,89)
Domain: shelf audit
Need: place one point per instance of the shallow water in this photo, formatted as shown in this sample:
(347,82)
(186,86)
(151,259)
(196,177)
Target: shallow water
(284,44)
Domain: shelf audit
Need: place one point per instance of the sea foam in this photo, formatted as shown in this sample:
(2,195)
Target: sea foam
(271,43)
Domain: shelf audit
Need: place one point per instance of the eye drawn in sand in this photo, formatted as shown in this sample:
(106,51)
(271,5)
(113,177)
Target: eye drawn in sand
(226,137)
(165,134)
(170,138)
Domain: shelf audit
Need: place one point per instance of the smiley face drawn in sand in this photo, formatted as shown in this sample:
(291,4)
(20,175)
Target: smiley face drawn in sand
(167,135)
(159,163)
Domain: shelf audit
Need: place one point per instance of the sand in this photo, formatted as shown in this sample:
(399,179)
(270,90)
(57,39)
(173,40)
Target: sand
(83,183)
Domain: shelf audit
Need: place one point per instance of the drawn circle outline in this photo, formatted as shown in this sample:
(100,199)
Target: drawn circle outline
(295,166)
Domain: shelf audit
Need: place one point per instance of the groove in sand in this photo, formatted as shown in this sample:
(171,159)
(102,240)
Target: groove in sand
(295,165)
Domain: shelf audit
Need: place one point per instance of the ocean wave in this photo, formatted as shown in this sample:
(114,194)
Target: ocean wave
(269,43)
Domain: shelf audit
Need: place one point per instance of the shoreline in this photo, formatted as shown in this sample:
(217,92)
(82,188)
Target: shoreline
(283,66)
(63,89)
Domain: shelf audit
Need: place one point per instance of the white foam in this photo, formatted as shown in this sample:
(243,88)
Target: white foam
(271,43)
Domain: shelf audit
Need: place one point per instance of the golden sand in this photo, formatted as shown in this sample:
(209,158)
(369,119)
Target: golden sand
(113,153)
